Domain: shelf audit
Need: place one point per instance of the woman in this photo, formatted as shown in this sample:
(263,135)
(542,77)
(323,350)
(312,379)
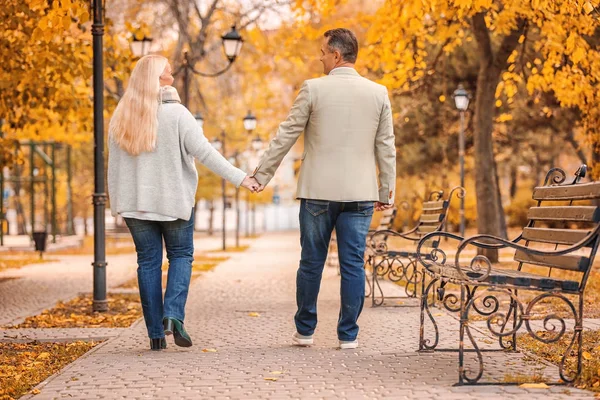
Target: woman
(152,181)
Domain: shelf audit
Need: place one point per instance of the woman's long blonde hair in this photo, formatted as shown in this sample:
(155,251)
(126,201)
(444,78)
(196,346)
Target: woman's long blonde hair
(134,122)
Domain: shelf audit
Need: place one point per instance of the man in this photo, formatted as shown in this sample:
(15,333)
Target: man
(347,121)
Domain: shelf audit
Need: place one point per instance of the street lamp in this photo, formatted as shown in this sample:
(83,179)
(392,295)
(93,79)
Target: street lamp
(140,47)
(100,302)
(461,99)
(249,122)
(219,145)
(232,43)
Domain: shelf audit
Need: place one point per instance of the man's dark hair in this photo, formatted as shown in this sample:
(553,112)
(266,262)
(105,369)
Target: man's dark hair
(344,41)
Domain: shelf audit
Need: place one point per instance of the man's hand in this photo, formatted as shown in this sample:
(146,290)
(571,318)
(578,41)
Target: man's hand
(252,184)
(379,206)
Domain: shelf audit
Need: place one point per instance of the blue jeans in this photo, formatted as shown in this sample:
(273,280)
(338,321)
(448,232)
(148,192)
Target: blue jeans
(179,241)
(351,222)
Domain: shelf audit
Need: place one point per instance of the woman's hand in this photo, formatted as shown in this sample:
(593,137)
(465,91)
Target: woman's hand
(251,184)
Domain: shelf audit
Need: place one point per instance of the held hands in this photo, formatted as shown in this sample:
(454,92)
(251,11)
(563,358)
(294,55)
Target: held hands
(252,185)
(379,206)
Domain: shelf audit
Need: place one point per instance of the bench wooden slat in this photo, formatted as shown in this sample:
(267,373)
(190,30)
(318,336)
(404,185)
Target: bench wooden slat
(427,228)
(431,218)
(568,262)
(565,213)
(435,205)
(385,220)
(582,191)
(558,236)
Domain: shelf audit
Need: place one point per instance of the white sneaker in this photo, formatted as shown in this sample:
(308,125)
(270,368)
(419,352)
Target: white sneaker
(348,344)
(300,340)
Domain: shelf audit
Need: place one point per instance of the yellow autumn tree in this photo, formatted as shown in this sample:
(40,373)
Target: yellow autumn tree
(45,81)
(542,45)
(45,66)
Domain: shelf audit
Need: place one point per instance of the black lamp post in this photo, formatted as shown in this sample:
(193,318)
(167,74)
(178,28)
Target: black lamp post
(232,46)
(256,145)
(250,125)
(100,302)
(140,47)
(461,99)
(219,145)
(234,160)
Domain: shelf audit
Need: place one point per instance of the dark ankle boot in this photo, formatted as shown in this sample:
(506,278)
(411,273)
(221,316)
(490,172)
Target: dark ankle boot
(175,327)
(158,344)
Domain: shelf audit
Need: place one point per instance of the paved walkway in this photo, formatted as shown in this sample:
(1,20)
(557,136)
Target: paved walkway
(245,349)
(29,290)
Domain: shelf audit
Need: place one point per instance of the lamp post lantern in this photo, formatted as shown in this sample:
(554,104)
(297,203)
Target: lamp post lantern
(140,47)
(461,99)
(232,43)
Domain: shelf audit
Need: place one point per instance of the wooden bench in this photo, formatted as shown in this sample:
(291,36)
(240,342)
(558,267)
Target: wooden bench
(399,265)
(552,262)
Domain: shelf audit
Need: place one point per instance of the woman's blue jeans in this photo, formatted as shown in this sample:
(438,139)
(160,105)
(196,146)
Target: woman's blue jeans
(148,237)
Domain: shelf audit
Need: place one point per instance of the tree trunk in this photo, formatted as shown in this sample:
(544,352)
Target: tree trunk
(21,228)
(490,215)
(211,214)
(486,186)
(501,216)
(513,180)
(85,226)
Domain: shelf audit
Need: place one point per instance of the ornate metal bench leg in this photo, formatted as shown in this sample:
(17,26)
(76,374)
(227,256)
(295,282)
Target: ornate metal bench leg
(466,305)
(379,269)
(577,337)
(424,344)
(374,281)
(411,274)
(368,262)
(555,328)
(461,336)
(511,314)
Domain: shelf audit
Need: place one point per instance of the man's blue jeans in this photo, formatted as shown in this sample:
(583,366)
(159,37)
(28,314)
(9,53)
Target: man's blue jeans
(179,241)
(351,222)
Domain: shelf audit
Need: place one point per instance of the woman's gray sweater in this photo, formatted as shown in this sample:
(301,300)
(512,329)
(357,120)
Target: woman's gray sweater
(165,181)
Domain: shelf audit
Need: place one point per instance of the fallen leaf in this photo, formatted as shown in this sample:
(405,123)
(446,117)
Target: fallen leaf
(277,372)
(209,350)
(43,356)
(270,378)
(254,314)
(35,391)
(541,385)
(586,355)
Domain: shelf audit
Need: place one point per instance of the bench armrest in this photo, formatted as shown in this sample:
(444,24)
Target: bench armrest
(435,255)
(379,247)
